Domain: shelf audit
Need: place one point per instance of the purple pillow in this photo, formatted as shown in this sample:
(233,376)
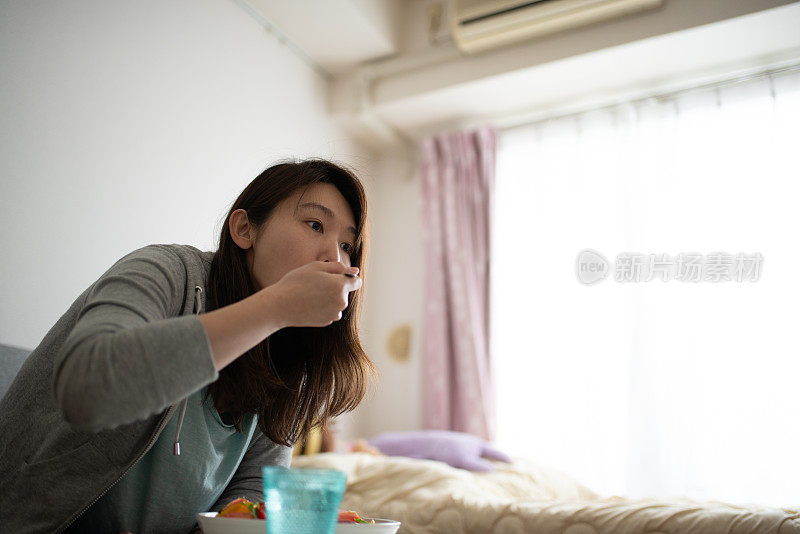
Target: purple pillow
(455,448)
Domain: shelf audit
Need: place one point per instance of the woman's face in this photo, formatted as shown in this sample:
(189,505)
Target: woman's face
(312,225)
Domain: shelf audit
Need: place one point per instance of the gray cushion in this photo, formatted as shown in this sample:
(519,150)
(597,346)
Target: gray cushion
(11,359)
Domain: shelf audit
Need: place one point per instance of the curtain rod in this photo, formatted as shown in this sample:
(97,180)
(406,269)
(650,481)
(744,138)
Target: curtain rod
(521,121)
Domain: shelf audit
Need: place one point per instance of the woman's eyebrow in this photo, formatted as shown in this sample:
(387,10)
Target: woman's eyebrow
(326,211)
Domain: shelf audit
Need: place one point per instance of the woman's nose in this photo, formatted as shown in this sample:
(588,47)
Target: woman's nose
(332,252)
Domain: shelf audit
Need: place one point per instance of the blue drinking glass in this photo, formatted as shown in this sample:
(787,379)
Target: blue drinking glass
(300,501)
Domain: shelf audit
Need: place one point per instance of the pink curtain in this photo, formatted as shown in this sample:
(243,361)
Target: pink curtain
(457,195)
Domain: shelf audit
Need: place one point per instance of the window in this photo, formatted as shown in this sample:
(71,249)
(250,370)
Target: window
(658,388)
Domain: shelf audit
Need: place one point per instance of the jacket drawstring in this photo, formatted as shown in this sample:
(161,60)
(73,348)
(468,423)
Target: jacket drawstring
(198,303)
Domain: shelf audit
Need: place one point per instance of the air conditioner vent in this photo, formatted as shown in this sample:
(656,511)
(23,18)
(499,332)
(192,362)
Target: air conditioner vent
(483,24)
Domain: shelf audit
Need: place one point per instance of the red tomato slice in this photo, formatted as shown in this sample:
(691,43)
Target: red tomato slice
(349,516)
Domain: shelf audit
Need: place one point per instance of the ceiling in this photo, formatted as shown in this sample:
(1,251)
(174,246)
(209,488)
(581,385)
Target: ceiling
(395,79)
(337,35)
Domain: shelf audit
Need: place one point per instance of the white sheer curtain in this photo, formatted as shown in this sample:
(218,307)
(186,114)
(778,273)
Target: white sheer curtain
(654,389)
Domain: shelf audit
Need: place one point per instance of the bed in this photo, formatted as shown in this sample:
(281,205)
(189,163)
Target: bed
(521,497)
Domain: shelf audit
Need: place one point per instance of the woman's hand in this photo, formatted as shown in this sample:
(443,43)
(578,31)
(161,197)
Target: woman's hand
(314,294)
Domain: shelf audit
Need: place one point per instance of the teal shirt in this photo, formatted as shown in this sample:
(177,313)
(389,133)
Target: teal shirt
(163,492)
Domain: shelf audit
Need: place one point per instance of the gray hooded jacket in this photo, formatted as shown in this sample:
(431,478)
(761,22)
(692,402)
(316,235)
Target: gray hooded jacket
(95,394)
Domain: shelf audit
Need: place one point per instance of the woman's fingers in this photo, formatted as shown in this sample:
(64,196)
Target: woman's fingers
(334,267)
(316,294)
(353,284)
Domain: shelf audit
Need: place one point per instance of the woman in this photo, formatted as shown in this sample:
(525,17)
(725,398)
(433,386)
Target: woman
(179,373)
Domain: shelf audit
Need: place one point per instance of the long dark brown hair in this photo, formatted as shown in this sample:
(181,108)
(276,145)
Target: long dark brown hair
(299,377)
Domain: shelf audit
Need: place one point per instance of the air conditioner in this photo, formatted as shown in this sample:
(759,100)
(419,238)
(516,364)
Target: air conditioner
(483,24)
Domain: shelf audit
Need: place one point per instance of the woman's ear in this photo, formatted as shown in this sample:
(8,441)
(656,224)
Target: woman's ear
(241,229)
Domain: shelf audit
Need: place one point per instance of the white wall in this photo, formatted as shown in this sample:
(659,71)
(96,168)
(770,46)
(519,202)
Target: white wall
(394,295)
(129,123)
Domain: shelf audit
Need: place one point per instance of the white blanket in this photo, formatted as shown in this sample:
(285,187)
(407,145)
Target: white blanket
(429,496)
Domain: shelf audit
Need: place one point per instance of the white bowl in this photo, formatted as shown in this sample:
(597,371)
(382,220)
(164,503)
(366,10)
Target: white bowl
(381,526)
(211,524)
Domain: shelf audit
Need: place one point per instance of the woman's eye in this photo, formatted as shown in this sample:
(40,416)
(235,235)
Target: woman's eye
(316,228)
(347,247)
